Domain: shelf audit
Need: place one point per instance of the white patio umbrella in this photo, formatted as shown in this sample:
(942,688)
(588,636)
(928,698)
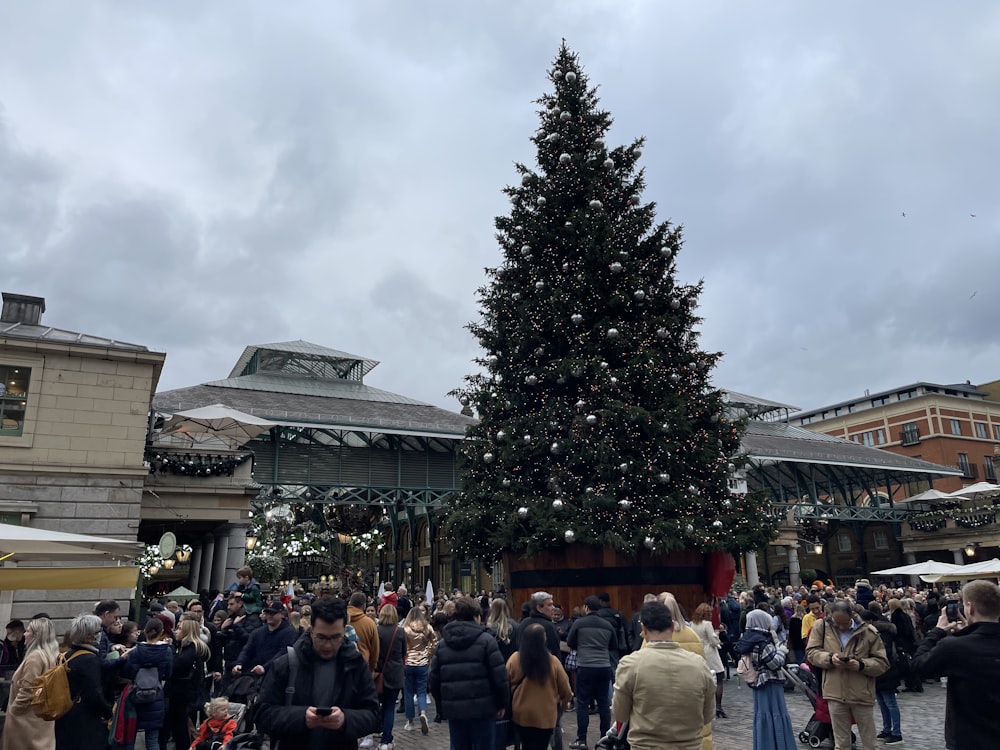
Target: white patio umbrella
(927,496)
(976,491)
(30,543)
(218,421)
(429,593)
(982,569)
(929,567)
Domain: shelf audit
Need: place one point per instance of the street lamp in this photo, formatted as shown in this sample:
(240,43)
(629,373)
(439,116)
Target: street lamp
(818,548)
(970,549)
(169,563)
(251,541)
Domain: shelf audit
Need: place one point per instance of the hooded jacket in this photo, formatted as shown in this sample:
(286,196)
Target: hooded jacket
(355,696)
(888,681)
(970,659)
(159,655)
(367,633)
(468,678)
(864,644)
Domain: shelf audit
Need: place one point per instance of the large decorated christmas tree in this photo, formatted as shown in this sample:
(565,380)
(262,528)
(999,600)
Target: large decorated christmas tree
(598,424)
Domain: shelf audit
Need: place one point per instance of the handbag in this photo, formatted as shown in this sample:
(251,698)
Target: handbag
(377,678)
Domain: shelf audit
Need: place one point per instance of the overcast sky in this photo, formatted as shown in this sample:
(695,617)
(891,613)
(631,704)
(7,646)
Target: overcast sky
(196,177)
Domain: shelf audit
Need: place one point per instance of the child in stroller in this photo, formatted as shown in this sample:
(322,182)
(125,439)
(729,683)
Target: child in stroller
(218,727)
(819,728)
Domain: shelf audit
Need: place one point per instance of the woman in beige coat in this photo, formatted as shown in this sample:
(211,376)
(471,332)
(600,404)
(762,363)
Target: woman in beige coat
(23,730)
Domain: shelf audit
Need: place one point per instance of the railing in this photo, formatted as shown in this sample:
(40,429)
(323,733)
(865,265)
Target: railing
(809,512)
(909,437)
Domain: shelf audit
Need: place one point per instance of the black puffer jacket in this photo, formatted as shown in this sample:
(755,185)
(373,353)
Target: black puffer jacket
(888,681)
(161,656)
(355,697)
(468,678)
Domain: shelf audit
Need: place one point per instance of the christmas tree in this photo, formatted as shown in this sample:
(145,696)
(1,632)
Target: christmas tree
(597,420)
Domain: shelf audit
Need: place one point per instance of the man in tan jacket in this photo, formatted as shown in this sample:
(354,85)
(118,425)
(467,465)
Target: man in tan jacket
(666,694)
(851,655)
(365,628)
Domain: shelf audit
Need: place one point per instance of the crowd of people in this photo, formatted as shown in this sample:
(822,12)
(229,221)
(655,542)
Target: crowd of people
(335,672)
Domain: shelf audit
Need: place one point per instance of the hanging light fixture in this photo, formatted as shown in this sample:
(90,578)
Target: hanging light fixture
(153,570)
(169,563)
(970,549)
(251,540)
(182,554)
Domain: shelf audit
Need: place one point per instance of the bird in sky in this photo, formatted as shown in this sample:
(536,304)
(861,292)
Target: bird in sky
(974,294)
(904,214)
(973,216)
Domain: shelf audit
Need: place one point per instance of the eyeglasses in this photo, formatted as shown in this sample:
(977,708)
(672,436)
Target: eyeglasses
(331,639)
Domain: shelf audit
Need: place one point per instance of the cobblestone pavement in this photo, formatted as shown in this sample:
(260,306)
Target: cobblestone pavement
(922,722)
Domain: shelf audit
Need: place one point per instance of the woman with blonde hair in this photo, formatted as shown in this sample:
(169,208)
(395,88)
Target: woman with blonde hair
(185,687)
(421,641)
(391,658)
(502,628)
(701,624)
(23,730)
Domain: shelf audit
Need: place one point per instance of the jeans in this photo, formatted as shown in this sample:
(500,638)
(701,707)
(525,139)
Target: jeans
(415,684)
(592,683)
(387,702)
(890,711)
(472,734)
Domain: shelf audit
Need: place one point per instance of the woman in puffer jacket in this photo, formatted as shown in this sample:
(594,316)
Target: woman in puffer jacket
(772,728)
(157,652)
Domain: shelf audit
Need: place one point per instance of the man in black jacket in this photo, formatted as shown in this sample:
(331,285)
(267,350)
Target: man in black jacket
(968,654)
(540,610)
(235,631)
(268,643)
(468,679)
(333,701)
(594,638)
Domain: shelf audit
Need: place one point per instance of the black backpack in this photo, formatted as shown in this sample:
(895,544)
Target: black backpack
(146,687)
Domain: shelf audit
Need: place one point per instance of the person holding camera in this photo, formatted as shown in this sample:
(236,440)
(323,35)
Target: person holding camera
(966,650)
(851,655)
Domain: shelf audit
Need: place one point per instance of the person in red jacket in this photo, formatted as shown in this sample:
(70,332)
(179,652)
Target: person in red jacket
(216,731)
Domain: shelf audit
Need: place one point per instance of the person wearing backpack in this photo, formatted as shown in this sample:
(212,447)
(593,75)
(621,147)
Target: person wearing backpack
(761,658)
(85,725)
(23,730)
(148,667)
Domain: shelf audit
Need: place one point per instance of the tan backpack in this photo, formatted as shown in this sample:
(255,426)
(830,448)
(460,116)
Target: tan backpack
(52,699)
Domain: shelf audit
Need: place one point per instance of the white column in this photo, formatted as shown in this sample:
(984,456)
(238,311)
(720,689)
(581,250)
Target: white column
(219,562)
(236,553)
(958,557)
(207,557)
(750,558)
(793,565)
(910,558)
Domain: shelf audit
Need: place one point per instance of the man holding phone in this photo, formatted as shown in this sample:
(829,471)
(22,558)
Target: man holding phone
(851,655)
(327,699)
(967,651)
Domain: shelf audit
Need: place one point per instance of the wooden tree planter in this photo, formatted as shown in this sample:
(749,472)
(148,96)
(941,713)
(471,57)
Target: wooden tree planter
(576,571)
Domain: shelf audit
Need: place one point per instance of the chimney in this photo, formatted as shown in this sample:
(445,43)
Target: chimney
(20,308)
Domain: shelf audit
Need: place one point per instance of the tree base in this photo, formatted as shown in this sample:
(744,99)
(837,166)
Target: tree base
(576,571)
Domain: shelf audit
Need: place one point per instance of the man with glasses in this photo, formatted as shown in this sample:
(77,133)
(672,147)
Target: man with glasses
(327,699)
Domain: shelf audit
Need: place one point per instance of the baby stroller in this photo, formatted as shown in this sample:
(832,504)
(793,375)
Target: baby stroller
(819,726)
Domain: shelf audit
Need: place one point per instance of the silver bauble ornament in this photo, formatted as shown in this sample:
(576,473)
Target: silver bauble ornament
(525,249)
(569,535)
(635,200)
(576,318)
(570,77)
(625,504)
(564,158)
(614,380)
(727,503)
(522,512)
(599,143)
(675,304)
(555,449)
(663,478)
(464,400)
(565,267)
(609,163)
(731,467)
(612,333)
(540,351)
(637,153)
(580,404)
(616,267)
(649,542)
(665,251)
(531,380)
(489,458)
(589,490)
(674,377)
(552,137)
(527,439)
(623,467)
(576,372)
(539,285)
(692,489)
(565,116)
(717,524)
(639,294)
(557,504)
(492,359)
(689,529)
(525,180)
(501,436)
(540,200)
(605,365)
(557,74)
(662,333)
(692,365)
(596,204)
(515,296)
(591,419)
(505,482)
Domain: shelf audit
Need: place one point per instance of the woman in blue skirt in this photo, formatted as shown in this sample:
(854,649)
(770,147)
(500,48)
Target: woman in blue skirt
(772,729)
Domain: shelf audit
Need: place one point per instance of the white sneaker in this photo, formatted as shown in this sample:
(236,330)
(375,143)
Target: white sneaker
(367,742)
(423,724)
(387,746)
(408,727)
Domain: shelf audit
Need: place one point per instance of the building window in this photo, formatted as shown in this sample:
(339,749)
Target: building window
(880,437)
(881,401)
(988,469)
(836,413)
(963,463)
(14,382)
(854,439)
(906,395)
(981,431)
(850,408)
(868,438)
(956,427)
(996,432)
(807,420)
(844,542)
(880,538)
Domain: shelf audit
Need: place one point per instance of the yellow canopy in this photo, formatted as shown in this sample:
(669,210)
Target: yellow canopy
(53,579)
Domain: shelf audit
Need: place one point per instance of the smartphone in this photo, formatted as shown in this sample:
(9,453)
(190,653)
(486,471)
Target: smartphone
(951,608)
(323,710)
